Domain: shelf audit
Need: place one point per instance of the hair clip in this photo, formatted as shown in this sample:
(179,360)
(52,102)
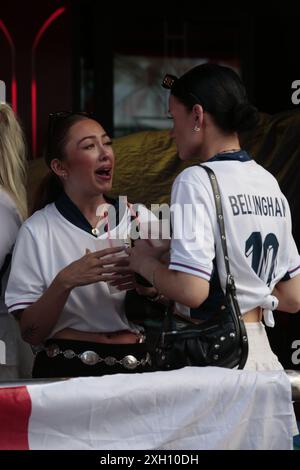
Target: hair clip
(168,81)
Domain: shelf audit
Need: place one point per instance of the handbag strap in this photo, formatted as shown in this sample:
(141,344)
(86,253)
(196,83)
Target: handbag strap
(230,284)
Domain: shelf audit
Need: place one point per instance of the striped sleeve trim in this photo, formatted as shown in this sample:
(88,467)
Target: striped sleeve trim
(18,306)
(293,272)
(190,270)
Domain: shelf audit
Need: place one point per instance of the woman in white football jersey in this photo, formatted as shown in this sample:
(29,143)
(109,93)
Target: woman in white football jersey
(209,106)
(15,355)
(67,258)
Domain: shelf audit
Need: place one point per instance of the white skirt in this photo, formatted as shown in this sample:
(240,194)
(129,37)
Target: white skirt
(261,356)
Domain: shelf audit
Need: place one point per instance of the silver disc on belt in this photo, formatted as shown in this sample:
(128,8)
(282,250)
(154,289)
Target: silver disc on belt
(69,354)
(52,350)
(110,361)
(89,358)
(130,362)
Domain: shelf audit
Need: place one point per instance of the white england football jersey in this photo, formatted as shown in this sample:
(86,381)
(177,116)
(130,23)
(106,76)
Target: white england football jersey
(257,218)
(47,243)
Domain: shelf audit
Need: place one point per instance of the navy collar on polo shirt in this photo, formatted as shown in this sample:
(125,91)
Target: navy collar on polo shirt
(239,155)
(70,211)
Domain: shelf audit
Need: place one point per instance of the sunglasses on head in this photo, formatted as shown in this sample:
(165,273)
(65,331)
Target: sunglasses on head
(53,121)
(55,117)
(64,114)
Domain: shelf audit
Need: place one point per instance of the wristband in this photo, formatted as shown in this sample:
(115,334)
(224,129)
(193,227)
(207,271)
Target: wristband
(156,298)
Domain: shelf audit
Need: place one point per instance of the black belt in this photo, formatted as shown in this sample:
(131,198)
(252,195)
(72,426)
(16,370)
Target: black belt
(92,358)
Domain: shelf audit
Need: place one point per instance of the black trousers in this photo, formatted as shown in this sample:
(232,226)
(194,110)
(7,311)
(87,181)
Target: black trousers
(60,366)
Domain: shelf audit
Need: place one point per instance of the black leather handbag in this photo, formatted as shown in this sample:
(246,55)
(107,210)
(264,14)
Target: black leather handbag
(221,341)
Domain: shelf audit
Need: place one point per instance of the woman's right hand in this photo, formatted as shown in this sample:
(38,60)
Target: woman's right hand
(93,267)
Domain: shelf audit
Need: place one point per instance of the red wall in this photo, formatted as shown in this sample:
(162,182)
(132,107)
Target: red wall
(52,59)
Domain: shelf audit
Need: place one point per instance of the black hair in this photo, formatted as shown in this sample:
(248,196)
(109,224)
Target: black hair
(221,93)
(51,186)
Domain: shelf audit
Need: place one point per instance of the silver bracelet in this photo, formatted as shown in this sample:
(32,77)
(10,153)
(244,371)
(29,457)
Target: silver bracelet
(153,278)
(155,298)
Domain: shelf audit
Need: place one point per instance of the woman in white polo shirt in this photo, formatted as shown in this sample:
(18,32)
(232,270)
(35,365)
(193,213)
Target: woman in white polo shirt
(209,106)
(15,355)
(66,254)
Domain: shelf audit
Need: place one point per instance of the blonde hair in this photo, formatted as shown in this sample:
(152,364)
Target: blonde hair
(13,163)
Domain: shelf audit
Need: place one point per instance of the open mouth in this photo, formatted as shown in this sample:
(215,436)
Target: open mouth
(104,173)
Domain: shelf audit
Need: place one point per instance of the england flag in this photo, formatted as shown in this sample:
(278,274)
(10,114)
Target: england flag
(191,408)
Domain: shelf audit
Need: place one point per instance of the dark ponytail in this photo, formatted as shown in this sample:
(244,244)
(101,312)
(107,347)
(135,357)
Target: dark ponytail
(244,117)
(48,191)
(221,93)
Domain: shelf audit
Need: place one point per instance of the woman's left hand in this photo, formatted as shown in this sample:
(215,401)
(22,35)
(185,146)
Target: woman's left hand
(120,267)
(143,251)
(124,283)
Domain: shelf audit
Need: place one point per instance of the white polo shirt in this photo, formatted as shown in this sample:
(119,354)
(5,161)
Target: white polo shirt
(257,218)
(46,244)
